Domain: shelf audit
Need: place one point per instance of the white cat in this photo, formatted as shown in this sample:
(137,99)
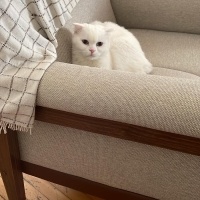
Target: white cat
(109,46)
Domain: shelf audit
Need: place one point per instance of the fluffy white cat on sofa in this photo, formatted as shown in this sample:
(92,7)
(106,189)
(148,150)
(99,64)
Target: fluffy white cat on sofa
(109,46)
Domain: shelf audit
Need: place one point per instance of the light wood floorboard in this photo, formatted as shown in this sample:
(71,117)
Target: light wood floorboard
(38,189)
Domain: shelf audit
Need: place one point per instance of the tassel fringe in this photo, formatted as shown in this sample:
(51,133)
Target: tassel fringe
(4,125)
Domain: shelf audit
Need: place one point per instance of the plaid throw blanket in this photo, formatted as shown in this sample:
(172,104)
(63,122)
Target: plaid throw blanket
(27,49)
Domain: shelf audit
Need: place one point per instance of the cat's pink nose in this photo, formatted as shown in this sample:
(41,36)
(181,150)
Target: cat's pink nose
(92,51)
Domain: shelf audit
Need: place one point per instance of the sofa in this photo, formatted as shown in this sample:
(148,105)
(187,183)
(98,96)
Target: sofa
(119,135)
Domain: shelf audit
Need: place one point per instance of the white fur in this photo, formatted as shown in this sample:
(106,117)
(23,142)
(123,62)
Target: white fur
(120,49)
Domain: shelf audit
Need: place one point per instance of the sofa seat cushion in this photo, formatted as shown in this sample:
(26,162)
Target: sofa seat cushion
(173,73)
(178,51)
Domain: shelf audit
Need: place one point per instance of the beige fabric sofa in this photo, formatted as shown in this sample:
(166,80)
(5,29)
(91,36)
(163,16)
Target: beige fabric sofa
(167,100)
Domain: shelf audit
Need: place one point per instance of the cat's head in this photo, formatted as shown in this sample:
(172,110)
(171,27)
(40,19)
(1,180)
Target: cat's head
(91,41)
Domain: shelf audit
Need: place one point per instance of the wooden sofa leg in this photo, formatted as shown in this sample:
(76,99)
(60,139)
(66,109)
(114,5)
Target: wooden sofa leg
(10,166)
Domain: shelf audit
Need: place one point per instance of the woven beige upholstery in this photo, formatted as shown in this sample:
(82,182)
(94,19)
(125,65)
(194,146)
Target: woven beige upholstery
(144,100)
(173,73)
(168,99)
(168,15)
(178,51)
(151,171)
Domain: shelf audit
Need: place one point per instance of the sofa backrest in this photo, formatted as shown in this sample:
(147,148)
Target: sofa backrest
(91,10)
(165,15)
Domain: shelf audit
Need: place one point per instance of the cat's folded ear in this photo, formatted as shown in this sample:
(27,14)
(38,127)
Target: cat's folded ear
(78,27)
(109,30)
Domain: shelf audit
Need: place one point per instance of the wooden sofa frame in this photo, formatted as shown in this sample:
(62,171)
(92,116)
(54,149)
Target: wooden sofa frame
(11,166)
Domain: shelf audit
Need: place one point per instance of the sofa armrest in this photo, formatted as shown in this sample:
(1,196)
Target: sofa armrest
(162,103)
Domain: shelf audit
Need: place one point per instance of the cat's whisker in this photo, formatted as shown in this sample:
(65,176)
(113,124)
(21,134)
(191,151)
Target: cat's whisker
(77,51)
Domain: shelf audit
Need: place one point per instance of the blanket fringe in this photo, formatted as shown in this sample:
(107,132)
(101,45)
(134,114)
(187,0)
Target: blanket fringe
(4,125)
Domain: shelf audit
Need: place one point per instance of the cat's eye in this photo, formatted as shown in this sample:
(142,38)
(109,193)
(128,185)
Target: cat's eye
(85,42)
(99,44)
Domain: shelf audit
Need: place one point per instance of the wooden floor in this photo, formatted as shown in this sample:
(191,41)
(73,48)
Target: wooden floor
(37,189)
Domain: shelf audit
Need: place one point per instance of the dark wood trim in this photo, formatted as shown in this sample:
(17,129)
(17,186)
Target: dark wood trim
(124,131)
(10,166)
(80,184)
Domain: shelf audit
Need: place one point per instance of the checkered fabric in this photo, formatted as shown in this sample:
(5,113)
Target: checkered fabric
(27,49)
